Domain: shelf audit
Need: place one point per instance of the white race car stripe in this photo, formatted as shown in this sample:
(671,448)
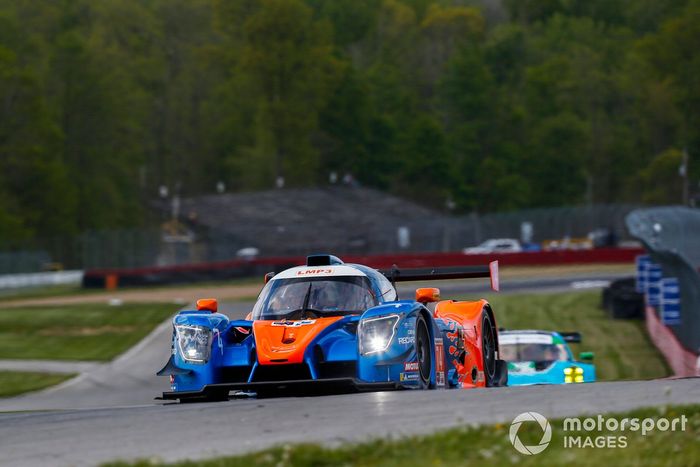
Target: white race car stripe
(318,271)
(525,339)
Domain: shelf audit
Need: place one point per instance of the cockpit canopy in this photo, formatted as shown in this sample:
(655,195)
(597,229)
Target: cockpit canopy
(314,297)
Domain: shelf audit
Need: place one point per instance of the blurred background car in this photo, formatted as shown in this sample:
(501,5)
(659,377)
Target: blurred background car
(544,357)
(495,245)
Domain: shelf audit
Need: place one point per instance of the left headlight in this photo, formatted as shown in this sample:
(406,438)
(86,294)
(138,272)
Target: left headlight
(194,342)
(376,333)
(573,374)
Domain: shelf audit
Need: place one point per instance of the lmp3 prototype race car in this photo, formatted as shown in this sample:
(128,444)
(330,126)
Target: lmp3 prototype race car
(544,357)
(334,327)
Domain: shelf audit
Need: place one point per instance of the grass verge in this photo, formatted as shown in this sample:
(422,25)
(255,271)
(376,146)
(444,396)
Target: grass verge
(490,445)
(64,291)
(79,332)
(13,383)
(622,347)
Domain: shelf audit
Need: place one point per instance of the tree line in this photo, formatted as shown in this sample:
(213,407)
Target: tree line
(471,105)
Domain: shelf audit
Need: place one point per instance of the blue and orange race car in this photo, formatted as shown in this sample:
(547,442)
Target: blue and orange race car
(544,357)
(330,326)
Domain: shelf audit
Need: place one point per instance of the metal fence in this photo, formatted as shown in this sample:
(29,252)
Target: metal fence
(151,247)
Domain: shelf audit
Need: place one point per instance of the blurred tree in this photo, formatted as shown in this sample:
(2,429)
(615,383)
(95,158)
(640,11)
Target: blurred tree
(423,164)
(673,66)
(567,101)
(287,67)
(443,31)
(36,194)
(662,182)
(90,98)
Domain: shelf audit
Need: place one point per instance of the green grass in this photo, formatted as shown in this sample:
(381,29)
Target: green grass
(489,445)
(622,347)
(43,292)
(60,291)
(77,332)
(13,383)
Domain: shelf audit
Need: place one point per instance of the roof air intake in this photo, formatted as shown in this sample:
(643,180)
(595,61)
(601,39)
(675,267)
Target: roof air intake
(323,260)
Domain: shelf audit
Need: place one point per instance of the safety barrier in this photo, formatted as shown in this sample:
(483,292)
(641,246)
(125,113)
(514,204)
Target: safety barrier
(40,279)
(669,279)
(683,363)
(223,270)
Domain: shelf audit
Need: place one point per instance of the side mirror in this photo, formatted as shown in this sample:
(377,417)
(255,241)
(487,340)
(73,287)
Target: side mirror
(427,295)
(269,276)
(586,356)
(207,304)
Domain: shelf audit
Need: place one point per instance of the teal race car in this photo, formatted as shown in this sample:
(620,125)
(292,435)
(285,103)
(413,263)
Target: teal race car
(544,357)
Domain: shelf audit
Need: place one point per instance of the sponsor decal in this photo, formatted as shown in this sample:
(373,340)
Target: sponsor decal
(311,272)
(522,367)
(410,366)
(408,376)
(439,363)
(294,324)
(459,370)
(406,340)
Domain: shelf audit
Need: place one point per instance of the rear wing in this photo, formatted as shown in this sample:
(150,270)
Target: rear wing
(455,272)
(571,337)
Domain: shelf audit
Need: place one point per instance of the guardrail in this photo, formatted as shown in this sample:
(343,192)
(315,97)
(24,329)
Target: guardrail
(100,278)
(40,279)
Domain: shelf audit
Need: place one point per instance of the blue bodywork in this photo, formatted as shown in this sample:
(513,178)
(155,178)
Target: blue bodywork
(554,372)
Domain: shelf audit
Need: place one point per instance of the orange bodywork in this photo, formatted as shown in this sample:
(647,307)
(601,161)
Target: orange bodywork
(467,316)
(207,304)
(428,295)
(284,342)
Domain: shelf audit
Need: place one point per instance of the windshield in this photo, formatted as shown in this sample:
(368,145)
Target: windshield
(533,352)
(314,298)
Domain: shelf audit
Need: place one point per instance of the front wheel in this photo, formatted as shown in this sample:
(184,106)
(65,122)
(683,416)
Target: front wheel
(423,352)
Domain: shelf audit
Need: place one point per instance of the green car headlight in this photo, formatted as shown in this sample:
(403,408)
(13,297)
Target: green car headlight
(573,374)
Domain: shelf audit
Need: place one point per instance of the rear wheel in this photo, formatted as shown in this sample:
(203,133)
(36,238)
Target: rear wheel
(423,352)
(488,349)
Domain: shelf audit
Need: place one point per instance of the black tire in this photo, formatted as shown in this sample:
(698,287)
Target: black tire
(424,352)
(622,301)
(488,346)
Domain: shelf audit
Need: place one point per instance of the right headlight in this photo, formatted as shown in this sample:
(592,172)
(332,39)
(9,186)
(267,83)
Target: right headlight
(193,342)
(377,333)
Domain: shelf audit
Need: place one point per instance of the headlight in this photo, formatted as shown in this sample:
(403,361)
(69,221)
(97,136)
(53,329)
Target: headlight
(194,342)
(376,333)
(573,375)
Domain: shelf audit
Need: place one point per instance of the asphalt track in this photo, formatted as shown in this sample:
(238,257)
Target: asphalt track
(108,412)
